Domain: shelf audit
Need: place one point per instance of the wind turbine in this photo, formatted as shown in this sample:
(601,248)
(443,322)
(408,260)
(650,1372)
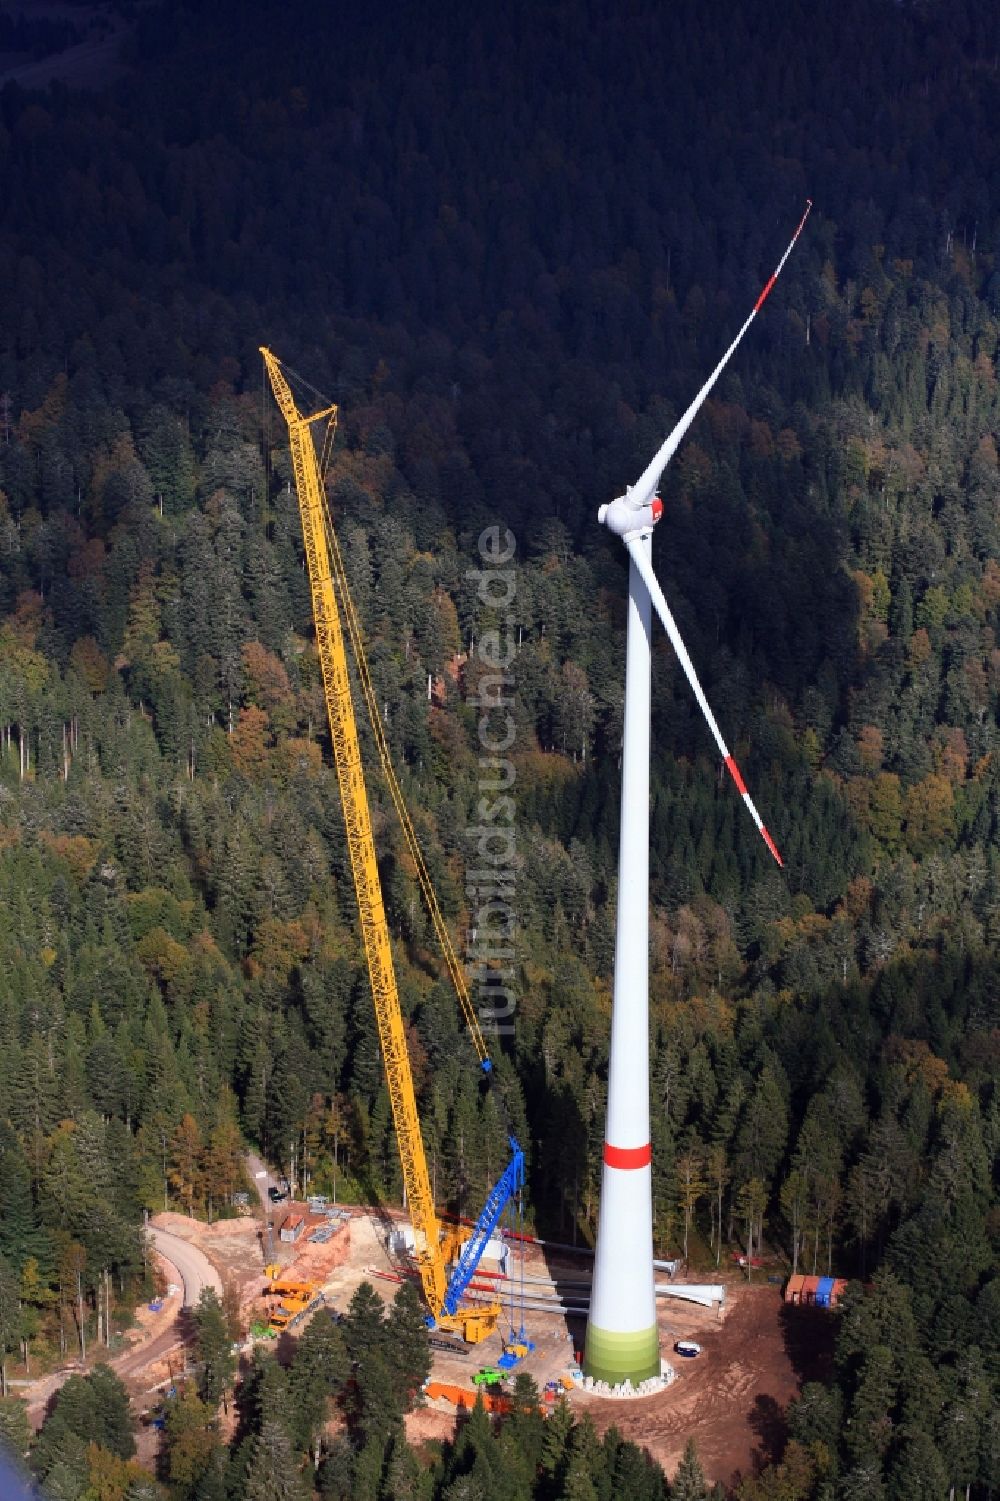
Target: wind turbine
(622,1342)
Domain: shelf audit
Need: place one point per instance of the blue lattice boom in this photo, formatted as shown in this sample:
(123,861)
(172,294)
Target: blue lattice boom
(506,1186)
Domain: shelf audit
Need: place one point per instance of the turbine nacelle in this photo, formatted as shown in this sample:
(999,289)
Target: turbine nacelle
(626,519)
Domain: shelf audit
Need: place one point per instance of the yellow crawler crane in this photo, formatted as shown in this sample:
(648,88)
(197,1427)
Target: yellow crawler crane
(478,1322)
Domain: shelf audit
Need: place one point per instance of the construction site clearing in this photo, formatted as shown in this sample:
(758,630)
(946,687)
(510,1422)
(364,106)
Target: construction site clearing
(745,1370)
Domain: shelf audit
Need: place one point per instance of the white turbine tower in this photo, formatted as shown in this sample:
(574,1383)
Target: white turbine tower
(622,1342)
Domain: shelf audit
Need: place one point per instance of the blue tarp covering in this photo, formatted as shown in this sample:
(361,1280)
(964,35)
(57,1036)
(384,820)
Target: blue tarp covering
(824,1292)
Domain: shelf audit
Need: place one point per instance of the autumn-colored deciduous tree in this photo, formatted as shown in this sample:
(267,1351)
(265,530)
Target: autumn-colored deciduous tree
(267,685)
(929,814)
(248,744)
(871,743)
(162,955)
(185,1172)
(223,1161)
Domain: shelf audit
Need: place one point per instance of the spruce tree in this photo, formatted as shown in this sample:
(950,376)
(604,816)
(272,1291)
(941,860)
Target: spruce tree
(363,1327)
(411,1355)
(272,1472)
(114,1428)
(369,1469)
(15,1430)
(917,1471)
(374,1405)
(526,1426)
(557,1432)
(317,1373)
(19,1233)
(578,1485)
(689,1482)
(214,1349)
(10,1318)
(402,1480)
(337,1472)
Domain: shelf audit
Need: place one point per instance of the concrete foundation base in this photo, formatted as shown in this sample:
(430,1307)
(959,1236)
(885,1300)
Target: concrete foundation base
(614,1357)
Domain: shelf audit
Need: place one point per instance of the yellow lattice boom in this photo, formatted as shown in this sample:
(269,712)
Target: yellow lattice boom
(317,534)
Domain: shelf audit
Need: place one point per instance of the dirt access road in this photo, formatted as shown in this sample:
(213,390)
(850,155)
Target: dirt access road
(196,1271)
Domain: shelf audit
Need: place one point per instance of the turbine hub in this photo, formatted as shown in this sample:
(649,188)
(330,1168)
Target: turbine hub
(626,519)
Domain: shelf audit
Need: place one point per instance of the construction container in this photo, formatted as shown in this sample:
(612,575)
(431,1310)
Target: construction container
(822,1292)
(292,1227)
(402,1241)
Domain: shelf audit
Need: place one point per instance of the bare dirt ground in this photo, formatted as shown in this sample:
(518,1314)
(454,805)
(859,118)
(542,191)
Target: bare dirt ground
(731,1398)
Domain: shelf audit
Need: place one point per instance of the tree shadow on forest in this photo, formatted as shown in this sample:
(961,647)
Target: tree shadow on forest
(809,1336)
(769,1424)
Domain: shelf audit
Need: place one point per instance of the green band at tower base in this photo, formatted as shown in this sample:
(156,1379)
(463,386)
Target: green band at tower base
(615,1358)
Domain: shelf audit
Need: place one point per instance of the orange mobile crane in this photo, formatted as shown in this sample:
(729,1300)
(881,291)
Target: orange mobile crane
(443,1293)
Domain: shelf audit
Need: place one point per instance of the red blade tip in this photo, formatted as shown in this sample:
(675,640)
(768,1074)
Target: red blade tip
(772,846)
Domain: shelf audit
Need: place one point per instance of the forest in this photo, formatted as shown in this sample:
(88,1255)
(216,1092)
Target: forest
(511,250)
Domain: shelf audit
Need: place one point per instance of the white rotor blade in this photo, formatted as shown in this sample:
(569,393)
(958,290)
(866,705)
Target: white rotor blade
(640,558)
(650,477)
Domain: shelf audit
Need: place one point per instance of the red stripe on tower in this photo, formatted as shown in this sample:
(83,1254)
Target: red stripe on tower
(628,1157)
(734,772)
